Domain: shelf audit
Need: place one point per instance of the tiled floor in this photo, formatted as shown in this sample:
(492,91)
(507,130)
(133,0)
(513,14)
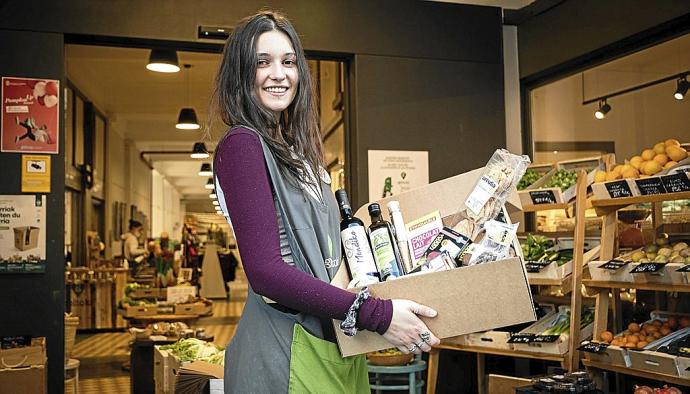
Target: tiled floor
(102,355)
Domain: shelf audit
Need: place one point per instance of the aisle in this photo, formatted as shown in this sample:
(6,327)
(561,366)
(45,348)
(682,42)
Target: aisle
(102,355)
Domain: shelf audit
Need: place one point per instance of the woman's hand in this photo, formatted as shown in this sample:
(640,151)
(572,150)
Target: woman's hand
(408,332)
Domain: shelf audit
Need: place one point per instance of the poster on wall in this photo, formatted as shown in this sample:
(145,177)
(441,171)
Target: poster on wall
(393,172)
(35,174)
(22,234)
(30,115)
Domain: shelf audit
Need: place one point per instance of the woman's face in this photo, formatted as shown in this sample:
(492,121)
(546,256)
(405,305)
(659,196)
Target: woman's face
(276,71)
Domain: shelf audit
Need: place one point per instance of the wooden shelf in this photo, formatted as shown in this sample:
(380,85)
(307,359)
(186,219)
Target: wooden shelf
(606,206)
(502,352)
(544,207)
(565,284)
(639,286)
(638,372)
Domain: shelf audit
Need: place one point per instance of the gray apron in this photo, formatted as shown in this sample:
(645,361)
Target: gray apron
(257,359)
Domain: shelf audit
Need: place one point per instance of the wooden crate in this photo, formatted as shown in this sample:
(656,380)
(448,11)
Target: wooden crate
(160,370)
(153,292)
(139,310)
(196,308)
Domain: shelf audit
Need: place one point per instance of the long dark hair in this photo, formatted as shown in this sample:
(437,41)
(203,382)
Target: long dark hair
(236,101)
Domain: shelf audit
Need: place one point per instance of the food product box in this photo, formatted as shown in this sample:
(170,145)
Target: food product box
(24,380)
(138,310)
(560,346)
(464,299)
(24,356)
(195,308)
(160,370)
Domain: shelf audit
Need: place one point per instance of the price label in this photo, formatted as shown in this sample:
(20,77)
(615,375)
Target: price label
(542,197)
(618,189)
(536,266)
(614,264)
(685,268)
(521,338)
(593,347)
(545,338)
(676,183)
(645,268)
(650,186)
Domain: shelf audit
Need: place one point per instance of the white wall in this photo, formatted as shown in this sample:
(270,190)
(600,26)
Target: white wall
(165,207)
(636,121)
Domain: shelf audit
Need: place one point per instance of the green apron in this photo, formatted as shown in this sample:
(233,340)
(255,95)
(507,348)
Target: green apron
(275,350)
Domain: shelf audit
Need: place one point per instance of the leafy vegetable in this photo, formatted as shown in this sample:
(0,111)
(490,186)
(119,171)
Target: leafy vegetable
(562,179)
(529,178)
(192,349)
(561,324)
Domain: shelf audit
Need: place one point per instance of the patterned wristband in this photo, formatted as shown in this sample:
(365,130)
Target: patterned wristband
(348,325)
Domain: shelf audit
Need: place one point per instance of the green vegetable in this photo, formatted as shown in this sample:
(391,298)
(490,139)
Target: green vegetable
(561,324)
(529,178)
(535,247)
(562,179)
(134,286)
(192,349)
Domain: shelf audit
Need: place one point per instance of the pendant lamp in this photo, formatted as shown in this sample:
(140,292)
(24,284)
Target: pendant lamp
(199,151)
(163,61)
(187,119)
(209,185)
(205,170)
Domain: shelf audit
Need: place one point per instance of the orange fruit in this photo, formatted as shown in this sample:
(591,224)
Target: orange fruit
(672,142)
(636,161)
(676,153)
(661,159)
(634,327)
(648,154)
(670,164)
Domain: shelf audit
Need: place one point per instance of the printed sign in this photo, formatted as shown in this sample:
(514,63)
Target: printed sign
(614,264)
(35,174)
(542,197)
(618,189)
(22,233)
(646,268)
(652,185)
(685,268)
(30,115)
(546,338)
(676,183)
(593,347)
(393,172)
(521,338)
(536,266)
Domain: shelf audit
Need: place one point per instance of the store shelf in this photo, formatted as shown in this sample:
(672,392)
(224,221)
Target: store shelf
(605,206)
(502,352)
(565,284)
(639,286)
(637,372)
(544,207)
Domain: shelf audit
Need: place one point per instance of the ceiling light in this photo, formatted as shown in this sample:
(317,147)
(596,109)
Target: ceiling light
(205,170)
(220,213)
(212,196)
(209,185)
(217,207)
(199,151)
(163,61)
(604,108)
(682,88)
(215,202)
(187,119)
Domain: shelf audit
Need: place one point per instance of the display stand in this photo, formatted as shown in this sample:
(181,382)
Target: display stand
(571,284)
(610,290)
(212,285)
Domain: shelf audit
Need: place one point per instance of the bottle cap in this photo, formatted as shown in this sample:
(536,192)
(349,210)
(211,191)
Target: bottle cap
(341,197)
(393,206)
(374,209)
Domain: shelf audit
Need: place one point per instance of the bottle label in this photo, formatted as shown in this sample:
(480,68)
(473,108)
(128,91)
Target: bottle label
(384,254)
(358,254)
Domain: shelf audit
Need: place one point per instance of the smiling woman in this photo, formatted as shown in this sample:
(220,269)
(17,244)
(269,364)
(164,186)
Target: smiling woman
(277,77)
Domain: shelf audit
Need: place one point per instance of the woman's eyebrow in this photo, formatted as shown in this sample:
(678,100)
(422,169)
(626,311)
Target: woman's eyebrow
(286,54)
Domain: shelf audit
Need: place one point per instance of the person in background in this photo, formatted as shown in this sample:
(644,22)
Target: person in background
(131,250)
(271,183)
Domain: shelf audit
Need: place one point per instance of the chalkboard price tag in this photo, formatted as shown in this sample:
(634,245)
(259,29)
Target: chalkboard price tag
(593,347)
(646,268)
(545,338)
(676,183)
(649,186)
(685,268)
(521,338)
(536,266)
(614,264)
(618,189)
(542,197)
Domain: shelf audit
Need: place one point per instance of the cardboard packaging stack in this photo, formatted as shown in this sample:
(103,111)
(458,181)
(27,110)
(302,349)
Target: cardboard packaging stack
(23,368)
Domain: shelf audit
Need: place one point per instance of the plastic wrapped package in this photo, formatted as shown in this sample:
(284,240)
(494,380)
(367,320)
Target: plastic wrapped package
(495,243)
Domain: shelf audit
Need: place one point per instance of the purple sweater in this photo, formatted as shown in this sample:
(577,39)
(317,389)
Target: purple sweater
(244,178)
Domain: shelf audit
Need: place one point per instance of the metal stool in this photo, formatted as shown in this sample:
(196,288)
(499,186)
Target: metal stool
(72,373)
(414,383)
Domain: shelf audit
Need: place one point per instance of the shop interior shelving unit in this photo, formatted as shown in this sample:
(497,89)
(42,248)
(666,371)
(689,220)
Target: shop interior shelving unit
(570,360)
(609,291)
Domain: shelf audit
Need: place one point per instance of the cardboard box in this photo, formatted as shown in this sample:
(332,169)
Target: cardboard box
(467,299)
(499,384)
(179,293)
(24,356)
(26,237)
(24,380)
(160,370)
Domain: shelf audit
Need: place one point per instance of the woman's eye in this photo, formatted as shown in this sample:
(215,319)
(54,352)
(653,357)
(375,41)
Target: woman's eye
(289,62)
(262,62)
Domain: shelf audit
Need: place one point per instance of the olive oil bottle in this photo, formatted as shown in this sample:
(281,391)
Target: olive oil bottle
(383,245)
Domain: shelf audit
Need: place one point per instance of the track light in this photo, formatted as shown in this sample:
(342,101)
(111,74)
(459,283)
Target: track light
(682,88)
(199,151)
(209,185)
(163,61)
(604,108)
(205,170)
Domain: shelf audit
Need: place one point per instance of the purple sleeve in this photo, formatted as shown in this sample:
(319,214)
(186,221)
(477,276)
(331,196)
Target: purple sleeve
(243,177)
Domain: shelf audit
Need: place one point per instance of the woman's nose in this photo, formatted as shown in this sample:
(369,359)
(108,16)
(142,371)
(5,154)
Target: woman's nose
(277,72)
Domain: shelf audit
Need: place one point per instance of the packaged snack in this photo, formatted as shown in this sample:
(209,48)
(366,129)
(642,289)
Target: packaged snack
(495,244)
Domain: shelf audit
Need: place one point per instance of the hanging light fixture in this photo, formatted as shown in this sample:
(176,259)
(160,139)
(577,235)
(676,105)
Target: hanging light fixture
(199,151)
(213,195)
(163,61)
(682,88)
(215,202)
(205,170)
(217,207)
(604,108)
(187,119)
(209,185)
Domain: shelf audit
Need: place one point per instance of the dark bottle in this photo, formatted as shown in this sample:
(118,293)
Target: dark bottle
(360,261)
(386,254)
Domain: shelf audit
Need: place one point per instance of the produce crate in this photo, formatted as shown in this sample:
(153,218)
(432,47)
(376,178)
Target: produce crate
(196,308)
(651,360)
(153,292)
(661,184)
(538,194)
(560,346)
(459,340)
(139,310)
(174,365)
(541,169)
(160,370)
(26,356)
(667,275)
(559,272)
(599,273)
(498,339)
